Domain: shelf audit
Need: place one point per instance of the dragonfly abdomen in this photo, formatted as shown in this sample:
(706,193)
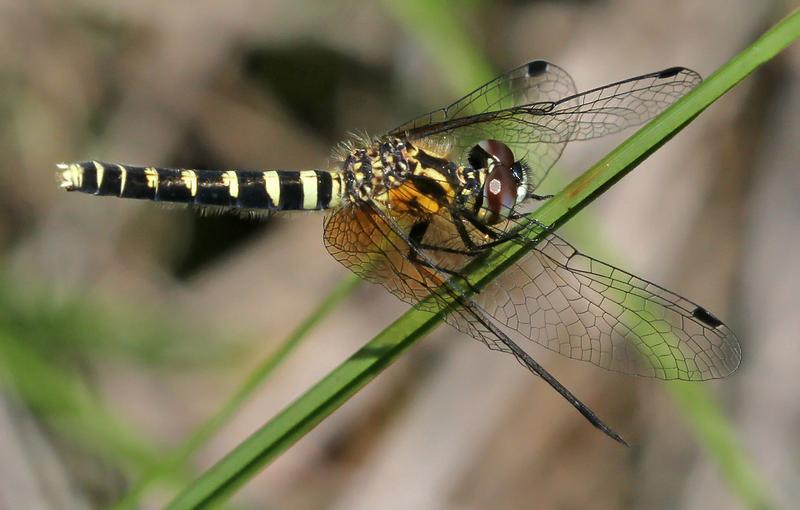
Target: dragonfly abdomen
(273,190)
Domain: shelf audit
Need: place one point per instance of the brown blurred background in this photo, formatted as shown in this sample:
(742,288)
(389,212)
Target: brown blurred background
(124,325)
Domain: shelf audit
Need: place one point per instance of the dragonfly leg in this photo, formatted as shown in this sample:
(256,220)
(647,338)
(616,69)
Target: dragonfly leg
(500,238)
(472,249)
(415,244)
(527,218)
(483,229)
(463,234)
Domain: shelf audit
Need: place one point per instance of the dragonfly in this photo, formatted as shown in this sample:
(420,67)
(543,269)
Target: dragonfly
(413,208)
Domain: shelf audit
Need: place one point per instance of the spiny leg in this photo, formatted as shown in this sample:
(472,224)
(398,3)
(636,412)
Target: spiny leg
(473,249)
(415,244)
(500,238)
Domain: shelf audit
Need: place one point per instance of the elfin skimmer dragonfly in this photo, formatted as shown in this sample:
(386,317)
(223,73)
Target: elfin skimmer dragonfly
(412,208)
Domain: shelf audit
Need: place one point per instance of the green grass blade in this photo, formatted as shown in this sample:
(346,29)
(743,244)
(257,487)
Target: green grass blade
(236,468)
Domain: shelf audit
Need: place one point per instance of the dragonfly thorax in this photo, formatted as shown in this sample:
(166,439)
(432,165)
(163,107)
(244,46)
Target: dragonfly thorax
(373,170)
(396,174)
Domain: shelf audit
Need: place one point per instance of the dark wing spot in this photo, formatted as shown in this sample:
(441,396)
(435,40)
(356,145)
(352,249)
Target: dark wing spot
(537,67)
(669,73)
(706,317)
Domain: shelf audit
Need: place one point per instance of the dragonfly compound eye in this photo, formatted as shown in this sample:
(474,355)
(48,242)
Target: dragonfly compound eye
(499,193)
(503,181)
(499,151)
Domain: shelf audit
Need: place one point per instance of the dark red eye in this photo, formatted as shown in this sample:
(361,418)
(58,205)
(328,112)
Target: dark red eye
(502,184)
(499,192)
(499,151)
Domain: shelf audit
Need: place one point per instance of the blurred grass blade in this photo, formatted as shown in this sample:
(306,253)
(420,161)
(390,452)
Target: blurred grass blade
(176,461)
(713,431)
(69,405)
(43,344)
(436,25)
(236,468)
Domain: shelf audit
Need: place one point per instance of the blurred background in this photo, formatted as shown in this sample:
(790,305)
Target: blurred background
(125,326)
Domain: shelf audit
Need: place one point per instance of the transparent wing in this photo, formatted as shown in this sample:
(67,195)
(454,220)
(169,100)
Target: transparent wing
(364,243)
(537,81)
(588,310)
(534,110)
(367,245)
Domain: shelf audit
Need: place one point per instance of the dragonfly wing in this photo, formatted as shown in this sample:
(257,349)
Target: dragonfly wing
(366,244)
(536,122)
(537,81)
(613,108)
(588,310)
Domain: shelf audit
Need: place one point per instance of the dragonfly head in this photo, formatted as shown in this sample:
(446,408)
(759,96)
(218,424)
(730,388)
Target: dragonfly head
(505,184)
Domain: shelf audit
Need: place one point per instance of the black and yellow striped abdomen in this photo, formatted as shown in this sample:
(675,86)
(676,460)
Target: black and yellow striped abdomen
(273,190)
